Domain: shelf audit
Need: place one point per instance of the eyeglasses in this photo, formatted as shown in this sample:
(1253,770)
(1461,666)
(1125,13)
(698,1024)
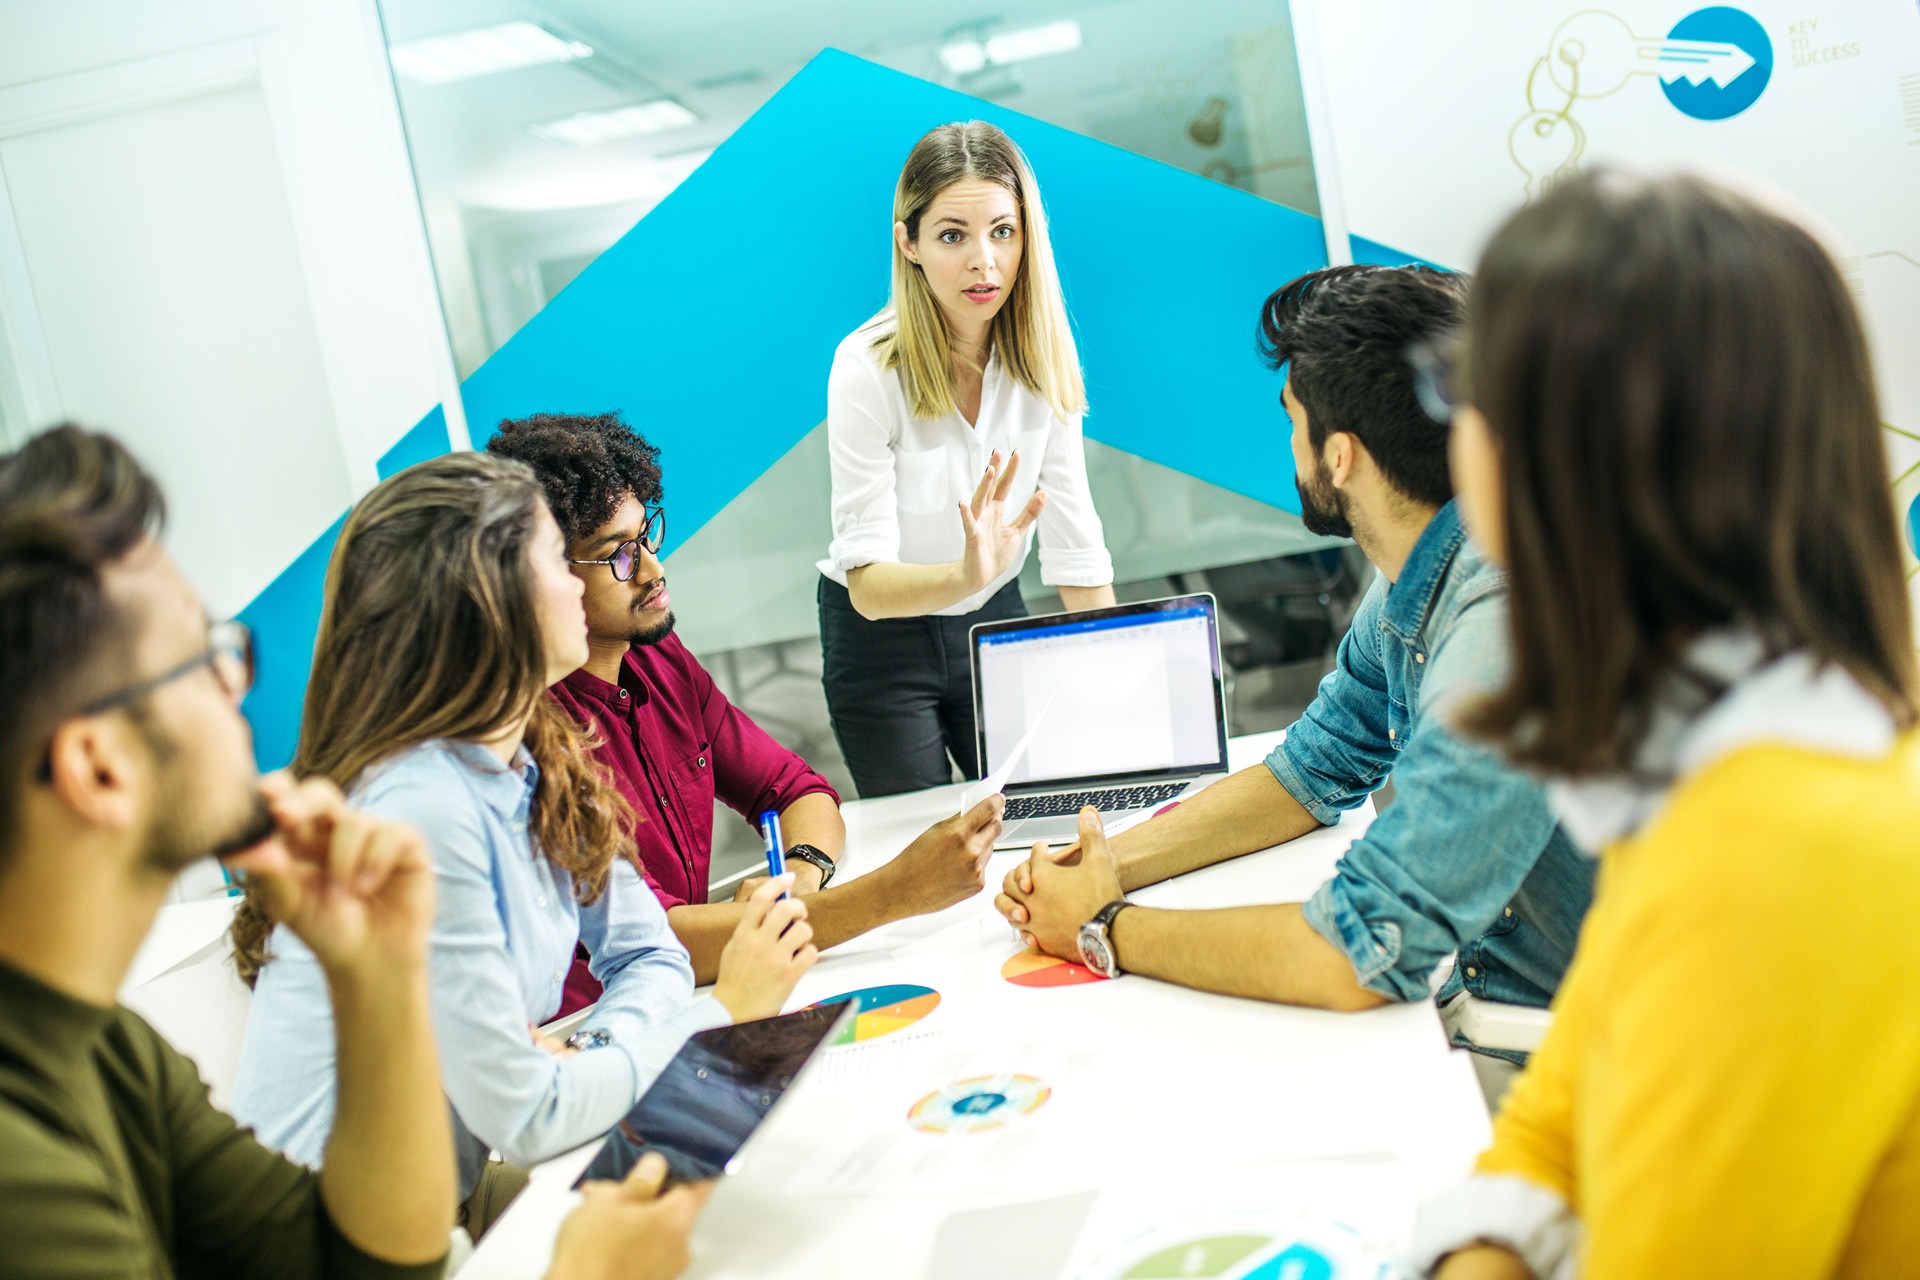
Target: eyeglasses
(229,653)
(625,560)
(1435,367)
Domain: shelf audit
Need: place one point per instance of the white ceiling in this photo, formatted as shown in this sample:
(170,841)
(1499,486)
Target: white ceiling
(1145,68)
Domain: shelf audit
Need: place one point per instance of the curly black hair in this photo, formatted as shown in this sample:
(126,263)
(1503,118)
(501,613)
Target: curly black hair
(587,463)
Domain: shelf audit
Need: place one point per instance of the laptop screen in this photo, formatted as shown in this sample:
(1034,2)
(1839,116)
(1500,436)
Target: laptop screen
(1108,694)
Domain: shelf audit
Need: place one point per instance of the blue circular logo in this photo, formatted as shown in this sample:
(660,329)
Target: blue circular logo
(1715,63)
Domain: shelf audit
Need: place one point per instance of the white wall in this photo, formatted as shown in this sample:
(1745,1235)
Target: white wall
(1437,135)
(209,244)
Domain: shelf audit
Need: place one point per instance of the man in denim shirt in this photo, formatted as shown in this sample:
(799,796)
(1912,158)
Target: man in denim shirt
(1467,860)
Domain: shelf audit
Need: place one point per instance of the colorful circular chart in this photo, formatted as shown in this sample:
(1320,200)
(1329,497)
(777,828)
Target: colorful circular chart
(1037,969)
(881,1011)
(979,1103)
(1236,1256)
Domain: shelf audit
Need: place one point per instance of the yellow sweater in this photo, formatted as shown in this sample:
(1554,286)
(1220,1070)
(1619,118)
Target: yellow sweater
(1731,1086)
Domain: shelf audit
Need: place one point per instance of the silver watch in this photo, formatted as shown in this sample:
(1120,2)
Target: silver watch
(1096,944)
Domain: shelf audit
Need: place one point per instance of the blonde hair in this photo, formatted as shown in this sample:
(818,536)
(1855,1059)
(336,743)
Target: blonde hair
(1030,333)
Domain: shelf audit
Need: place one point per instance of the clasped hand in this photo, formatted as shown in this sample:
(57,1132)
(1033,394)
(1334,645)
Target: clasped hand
(1050,895)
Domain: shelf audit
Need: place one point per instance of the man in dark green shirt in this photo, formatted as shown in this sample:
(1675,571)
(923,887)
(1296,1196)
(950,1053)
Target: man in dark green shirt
(123,757)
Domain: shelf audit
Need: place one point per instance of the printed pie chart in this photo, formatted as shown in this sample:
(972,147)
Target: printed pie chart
(1235,1257)
(979,1103)
(1037,969)
(881,1011)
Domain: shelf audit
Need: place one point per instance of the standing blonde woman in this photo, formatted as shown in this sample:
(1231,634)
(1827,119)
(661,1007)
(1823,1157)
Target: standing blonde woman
(953,427)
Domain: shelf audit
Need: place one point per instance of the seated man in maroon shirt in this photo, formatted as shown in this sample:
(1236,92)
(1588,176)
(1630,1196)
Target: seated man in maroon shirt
(673,742)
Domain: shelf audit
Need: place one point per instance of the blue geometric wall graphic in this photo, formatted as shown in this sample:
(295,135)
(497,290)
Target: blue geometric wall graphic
(427,438)
(711,324)
(1384,255)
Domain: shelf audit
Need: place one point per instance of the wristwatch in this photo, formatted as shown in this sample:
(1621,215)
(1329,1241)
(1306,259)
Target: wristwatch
(807,853)
(581,1041)
(1096,946)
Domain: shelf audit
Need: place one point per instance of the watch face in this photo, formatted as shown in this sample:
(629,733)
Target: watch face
(1095,954)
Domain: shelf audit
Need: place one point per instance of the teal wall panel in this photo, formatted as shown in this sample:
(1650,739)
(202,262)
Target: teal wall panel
(711,324)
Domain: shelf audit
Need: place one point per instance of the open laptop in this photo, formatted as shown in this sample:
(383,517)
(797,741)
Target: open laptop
(1122,708)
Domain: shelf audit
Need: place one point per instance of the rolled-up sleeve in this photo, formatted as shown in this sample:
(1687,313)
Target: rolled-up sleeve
(1073,544)
(866,516)
(1338,752)
(752,773)
(1462,835)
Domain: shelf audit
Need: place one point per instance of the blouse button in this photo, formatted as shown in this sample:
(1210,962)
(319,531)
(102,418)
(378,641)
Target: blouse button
(1472,972)
(1419,657)
(623,695)
(702,762)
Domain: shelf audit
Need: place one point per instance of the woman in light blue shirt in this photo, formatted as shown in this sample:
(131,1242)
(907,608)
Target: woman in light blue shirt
(449,610)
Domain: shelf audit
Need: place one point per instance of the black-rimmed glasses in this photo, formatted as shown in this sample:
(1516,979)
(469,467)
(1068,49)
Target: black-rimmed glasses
(625,560)
(229,654)
(1435,367)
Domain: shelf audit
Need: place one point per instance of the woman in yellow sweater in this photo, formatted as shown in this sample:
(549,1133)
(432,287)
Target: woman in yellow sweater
(1671,439)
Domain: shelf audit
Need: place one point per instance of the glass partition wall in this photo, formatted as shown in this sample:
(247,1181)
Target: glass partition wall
(540,134)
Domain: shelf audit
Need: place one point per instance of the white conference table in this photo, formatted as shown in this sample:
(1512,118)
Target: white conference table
(1162,1096)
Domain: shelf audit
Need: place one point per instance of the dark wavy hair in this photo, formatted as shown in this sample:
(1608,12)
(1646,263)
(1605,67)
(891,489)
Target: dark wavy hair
(587,463)
(1680,390)
(430,630)
(1342,333)
(72,502)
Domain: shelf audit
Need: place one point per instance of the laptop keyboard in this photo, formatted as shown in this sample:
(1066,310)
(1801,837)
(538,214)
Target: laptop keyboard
(1112,800)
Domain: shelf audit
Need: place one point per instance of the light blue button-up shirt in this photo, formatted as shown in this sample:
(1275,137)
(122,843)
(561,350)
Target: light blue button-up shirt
(503,937)
(1467,859)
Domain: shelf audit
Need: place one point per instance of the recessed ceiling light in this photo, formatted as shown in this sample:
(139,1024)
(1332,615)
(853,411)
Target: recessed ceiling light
(483,51)
(968,55)
(963,57)
(1033,42)
(590,127)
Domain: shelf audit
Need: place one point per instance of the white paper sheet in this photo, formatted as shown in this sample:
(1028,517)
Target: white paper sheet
(997,780)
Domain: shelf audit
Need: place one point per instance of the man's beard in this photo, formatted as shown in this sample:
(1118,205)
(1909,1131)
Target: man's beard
(181,833)
(1322,507)
(655,634)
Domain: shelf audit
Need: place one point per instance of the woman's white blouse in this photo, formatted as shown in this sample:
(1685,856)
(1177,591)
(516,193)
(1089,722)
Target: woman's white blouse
(898,480)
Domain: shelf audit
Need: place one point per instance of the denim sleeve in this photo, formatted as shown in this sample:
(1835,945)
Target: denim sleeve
(1463,831)
(1338,753)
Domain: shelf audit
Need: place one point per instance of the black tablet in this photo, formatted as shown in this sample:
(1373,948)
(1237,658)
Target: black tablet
(714,1094)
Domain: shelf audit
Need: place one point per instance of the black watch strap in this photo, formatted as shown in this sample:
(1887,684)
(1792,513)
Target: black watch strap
(1104,917)
(807,853)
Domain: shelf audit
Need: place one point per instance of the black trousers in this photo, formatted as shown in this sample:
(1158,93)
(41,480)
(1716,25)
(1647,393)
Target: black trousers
(900,690)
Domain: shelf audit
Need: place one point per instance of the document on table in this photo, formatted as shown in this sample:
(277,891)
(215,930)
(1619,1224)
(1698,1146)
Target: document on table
(969,1122)
(997,780)
(1339,1219)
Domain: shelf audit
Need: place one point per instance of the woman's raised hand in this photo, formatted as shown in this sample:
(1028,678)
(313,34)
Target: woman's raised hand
(993,541)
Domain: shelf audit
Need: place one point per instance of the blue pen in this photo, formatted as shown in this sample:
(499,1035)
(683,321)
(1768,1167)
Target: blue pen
(776,851)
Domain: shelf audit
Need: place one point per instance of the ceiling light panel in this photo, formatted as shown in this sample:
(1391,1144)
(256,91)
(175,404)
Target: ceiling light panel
(1033,42)
(483,51)
(589,128)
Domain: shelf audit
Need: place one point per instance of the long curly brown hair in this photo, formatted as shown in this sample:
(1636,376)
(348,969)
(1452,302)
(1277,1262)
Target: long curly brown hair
(430,630)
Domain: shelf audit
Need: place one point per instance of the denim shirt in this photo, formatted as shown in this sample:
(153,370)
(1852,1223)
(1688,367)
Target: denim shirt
(1468,858)
(505,924)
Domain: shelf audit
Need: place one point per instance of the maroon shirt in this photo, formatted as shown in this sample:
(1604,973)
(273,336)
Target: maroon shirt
(673,744)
